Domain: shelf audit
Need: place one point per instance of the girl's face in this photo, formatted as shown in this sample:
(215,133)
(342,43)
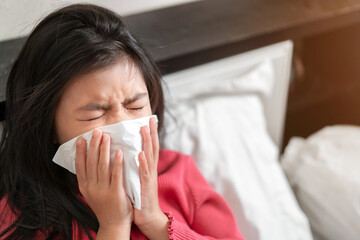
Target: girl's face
(100,98)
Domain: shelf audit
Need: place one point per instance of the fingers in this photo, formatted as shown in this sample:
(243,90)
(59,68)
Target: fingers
(117,171)
(154,139)
(95,167)
(93,157)
(151,144)
(103,169)
(143,167)
(80,161)
(147,146)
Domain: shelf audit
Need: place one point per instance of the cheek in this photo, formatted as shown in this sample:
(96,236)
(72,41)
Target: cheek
(64,126)
(151,108)
(147,110)
(72,129)
(62,130)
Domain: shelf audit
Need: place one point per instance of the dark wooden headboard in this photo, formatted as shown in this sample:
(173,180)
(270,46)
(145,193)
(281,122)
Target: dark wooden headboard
(187,35)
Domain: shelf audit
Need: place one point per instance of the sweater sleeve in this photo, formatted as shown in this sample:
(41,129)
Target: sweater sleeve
(7,218)
(211,217)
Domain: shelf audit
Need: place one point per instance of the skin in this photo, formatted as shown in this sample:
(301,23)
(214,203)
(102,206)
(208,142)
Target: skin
(102,97)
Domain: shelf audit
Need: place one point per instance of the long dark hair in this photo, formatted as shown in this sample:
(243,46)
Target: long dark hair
(70,41)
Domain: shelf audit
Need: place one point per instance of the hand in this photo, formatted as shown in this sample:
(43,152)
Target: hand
(102,188)
(151,221)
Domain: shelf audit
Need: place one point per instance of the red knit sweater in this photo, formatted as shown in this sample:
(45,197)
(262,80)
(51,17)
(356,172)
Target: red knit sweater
(194,209)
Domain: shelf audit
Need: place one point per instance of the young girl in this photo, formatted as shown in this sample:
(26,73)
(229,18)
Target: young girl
(80,69)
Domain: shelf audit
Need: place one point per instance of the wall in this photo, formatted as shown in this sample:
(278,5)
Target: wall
(327,91)
(18,17)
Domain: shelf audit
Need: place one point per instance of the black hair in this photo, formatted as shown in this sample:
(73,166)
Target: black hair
(72,40)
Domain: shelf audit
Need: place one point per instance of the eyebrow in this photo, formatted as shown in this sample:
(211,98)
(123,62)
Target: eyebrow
(134,98)
(98,106)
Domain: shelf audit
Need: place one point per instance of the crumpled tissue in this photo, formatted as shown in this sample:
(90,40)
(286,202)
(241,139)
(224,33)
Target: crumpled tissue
(125,136)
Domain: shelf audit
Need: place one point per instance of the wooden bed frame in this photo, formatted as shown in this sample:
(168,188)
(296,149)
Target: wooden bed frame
(191,34)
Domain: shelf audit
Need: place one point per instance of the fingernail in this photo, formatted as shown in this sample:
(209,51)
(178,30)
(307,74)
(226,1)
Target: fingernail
(105,138)
(96,133)
(117,153)
(153,120)
(79,141)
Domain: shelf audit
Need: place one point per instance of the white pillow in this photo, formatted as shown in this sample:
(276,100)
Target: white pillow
(324,171)
(219,120)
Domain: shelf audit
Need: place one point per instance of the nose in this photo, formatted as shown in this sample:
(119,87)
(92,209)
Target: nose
(116,117)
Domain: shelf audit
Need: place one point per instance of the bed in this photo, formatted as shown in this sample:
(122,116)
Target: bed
(229,114)
(225,105)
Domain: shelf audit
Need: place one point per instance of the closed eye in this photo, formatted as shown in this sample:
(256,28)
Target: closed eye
(135,109)
(92,119)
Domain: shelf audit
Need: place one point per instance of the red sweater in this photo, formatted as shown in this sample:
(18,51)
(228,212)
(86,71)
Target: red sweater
(194,209)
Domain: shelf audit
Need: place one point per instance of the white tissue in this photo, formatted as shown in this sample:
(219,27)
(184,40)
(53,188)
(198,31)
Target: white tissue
(124,135)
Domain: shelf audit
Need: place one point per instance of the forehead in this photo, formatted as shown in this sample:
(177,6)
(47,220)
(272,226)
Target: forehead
(122,78)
